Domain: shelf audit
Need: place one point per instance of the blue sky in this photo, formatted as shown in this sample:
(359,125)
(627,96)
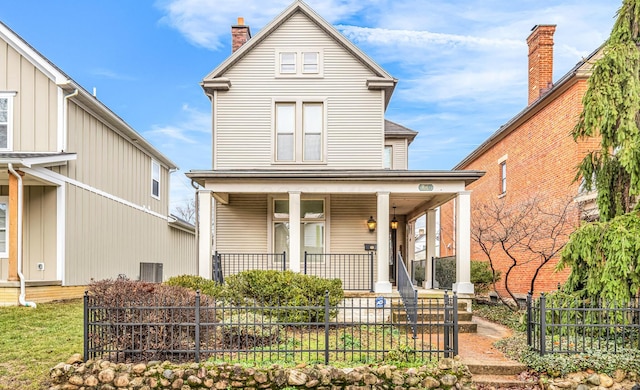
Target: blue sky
(461,64)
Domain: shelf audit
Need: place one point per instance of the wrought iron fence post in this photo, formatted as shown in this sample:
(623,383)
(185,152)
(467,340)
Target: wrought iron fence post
(86,326)
(305,263)
(543,324)
(455,323)
(447,326)
(433,272)
(326,327)
(197,326)
(284,260)
(371,270)
(529,319)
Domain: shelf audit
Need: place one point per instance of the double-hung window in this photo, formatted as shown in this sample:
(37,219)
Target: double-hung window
(299,63)
(155,179)
(299,131)
(6,120)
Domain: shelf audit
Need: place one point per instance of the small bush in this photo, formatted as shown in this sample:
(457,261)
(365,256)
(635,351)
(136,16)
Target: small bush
(481,276)
(284,288)
(193,282)
(418,274)
(248,330)
(601,361)
(123,301)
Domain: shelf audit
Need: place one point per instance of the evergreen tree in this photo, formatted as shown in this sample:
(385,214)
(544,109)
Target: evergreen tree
(612,110)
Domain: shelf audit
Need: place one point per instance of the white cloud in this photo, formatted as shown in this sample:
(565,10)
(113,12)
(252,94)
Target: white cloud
(110,74)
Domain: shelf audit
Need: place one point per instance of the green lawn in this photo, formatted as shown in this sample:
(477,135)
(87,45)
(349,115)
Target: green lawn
(32,341)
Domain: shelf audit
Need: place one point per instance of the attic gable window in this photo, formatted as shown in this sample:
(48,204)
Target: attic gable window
(288,62)
(6,120)
(299,63)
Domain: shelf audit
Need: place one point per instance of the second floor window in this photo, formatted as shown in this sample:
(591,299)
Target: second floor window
(155,180)
(299,128)
(503,177)
(6,120)
(299,63)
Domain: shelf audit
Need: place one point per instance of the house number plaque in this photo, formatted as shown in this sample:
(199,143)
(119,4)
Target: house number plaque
(425,187)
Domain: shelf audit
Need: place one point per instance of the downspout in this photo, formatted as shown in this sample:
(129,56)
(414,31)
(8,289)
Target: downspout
(21,298)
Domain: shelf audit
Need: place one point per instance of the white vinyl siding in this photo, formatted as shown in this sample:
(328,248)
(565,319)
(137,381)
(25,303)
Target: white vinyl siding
(399,156)
(35,105)
(242,224)
(244,116)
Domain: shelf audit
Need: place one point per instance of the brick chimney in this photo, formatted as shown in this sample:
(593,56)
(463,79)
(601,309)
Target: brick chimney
(540,60)
(240,34)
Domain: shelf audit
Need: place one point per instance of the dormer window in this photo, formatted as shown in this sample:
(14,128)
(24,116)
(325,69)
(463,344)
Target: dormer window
(299,63)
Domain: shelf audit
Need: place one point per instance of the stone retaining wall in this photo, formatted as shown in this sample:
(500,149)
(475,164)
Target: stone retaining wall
(593,380)
(101,374)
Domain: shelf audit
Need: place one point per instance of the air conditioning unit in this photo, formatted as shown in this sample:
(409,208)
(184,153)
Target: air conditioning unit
(151,272)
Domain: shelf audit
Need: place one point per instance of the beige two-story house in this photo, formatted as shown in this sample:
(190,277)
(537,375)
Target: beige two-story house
(307,174)
(82,195)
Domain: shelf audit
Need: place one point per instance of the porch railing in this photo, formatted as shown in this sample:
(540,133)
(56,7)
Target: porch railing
(355,270)
(225,264)
(409,294)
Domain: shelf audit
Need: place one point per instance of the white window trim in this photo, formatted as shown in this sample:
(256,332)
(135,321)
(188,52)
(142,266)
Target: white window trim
(9,96)
(299,63)
(327,218)
(384,156)
(298,134)
(155,163)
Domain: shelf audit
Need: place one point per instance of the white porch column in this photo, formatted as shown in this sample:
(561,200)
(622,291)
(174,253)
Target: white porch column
(431,247)
(205,233)
(382,284)
(463,243)
(294,231)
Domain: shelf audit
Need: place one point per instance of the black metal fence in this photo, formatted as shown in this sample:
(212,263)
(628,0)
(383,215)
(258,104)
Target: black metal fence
(355,270)
(409,294)
(566,325)
(356,330)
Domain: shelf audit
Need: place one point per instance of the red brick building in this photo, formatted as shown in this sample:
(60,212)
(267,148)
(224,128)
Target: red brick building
(532,154)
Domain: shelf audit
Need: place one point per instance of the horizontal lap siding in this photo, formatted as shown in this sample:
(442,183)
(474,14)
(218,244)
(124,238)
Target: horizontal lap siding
(105,238)
(35,106)
(399,157)
(241,226)
(243,120)
(349,231)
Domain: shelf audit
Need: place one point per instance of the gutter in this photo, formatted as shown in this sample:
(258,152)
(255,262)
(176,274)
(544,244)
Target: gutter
(21,298)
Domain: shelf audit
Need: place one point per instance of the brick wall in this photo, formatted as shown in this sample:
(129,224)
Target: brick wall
(541,160)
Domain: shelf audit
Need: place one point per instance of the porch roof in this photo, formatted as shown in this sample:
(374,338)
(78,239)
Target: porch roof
(381,175)
(26,159)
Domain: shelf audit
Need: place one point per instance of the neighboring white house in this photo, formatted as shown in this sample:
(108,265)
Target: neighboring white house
(304,161)
(82,195)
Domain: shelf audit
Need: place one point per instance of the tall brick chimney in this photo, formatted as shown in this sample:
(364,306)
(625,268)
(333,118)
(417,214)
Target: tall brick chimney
(240,34)
(540,60)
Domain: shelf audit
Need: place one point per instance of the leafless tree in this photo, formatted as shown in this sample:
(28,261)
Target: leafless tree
(533,230)
(187,211)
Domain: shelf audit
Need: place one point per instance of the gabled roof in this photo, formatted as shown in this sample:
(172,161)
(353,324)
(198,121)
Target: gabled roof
(382,79)
(394,130)
(69,85)
(581,70)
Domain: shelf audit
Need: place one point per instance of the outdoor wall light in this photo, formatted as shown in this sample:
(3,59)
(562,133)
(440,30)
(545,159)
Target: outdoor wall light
(394,221)
(371,224)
